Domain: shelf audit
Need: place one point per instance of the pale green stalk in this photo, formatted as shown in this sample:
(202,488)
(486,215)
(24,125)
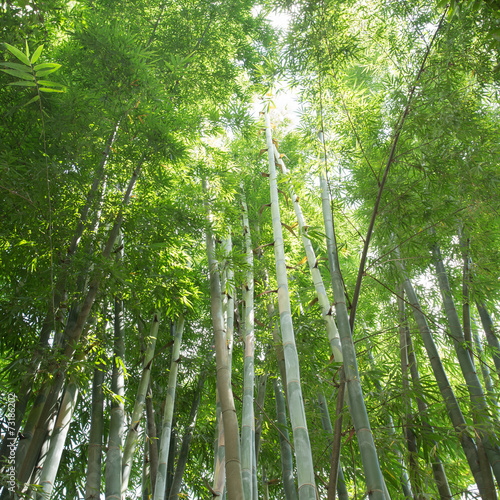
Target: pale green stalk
(286,449)
(305,468)
(375,483)
(437,466)
(140,401)
(57,441)
(491,334)
(168,412)
(323,301)
(113,473)
(327,427)
(451,403)
(186,441)
(219,453)
(247,419)
(485,371)
(93,485)
(485,428)
(229,417)
(152,440)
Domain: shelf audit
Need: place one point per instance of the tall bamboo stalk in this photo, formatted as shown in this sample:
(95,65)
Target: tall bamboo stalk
(93,484)
(161,477)
(375,483)
(57,441)
(491,334)
(152,440)
(437,466)
(408,418)
(305,468)
(229,417)
(186,440)
(484,429)
(286,449)
(247,419)
(113,472)
(451,403)
(140,401)
(312,261)
(327,427)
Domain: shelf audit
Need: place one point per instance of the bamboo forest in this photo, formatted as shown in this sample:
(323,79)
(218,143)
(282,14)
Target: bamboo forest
(250,249)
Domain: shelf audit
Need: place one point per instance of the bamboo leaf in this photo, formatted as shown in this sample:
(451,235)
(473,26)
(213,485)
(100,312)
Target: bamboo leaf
(46,89)
(52,84)
(22,57)
(36,54)
(40,74)
(23,84)
(19,74)
(53,66)
(34,99)
(20,67)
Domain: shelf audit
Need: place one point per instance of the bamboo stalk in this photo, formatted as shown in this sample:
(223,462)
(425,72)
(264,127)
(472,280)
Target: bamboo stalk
(140,401)
(247,419)
(286,449)
(451,403)
(305,468)
(93,485)
(484,429)
(229,418)
(161,477)
(375,483)
(113,472)
(186,440)
(437,466)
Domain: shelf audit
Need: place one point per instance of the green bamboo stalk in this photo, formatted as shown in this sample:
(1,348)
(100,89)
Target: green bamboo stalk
(408,419)
(140,401)
(152,440)
(286,449)
(57,441)
(113,471)
(485,371)
(491,334)
(172,453)
(146,471)
(247,419)
(93,485)
(375,483)
(326,423)
(219,453)
(261,396)
(437,466)
(186,440)
(229,417)
(305,468)
(323,301)
(451,403)
(484,429)
(161,477)
(405,485)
